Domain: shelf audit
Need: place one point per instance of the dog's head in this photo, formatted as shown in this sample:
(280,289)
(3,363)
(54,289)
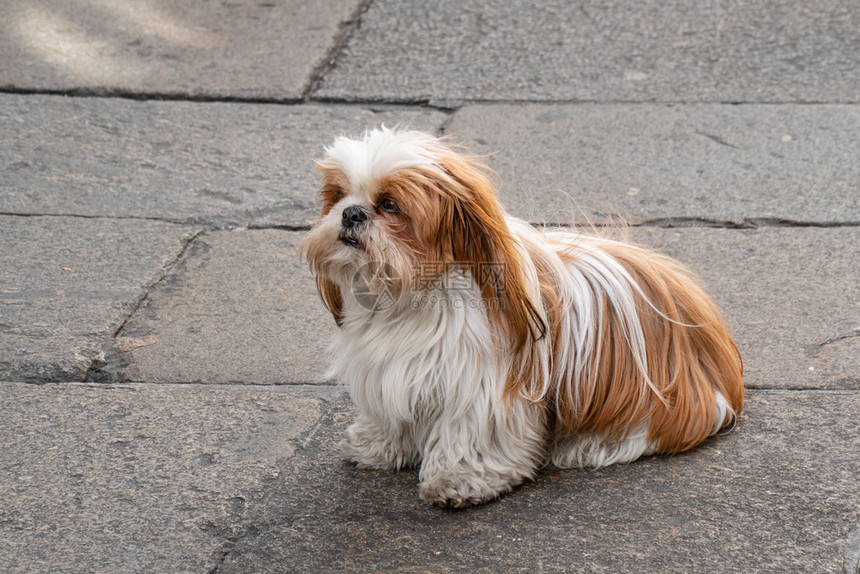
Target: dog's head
(397,202)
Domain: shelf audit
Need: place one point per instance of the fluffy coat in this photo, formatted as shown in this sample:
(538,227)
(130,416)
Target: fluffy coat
(481,348)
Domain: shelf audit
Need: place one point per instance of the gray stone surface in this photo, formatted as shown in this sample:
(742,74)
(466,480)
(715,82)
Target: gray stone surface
(214,163)
(139,478)
(227,49)
(240,308)
(852,552)
(146,243)
(67,284)
(779,494)
(791,297)
(244,298)
(724,51)
(574,162)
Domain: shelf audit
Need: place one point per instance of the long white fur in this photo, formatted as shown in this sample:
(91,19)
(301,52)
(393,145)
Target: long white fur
(378,153)
(428,382)
(428,385)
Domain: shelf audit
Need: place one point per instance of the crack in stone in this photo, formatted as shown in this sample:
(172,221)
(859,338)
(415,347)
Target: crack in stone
(449,104)
(743,223)
(229,545)
(443,129)
(85,216)
(94,372)
(838,338)
(206,225)
(717,139)
(119,93)
(303,444)
(343,35)
(716,223)
(276,227)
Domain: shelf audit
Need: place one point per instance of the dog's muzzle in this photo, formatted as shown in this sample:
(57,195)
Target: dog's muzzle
(351,220)
(353,216)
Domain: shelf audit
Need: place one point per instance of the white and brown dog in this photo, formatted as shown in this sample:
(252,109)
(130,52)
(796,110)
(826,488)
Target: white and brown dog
(481,348)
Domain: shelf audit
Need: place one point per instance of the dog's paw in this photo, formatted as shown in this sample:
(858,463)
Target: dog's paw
(460,492)
(374,451)
(363,453)
(362,459)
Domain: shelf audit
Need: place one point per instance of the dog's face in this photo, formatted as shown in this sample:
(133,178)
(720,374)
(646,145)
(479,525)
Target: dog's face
(402,201)
(377,203)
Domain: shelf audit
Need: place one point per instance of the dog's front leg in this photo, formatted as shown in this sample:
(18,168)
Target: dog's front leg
(476,457)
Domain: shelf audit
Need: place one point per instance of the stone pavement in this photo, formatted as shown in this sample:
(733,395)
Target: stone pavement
(163,404)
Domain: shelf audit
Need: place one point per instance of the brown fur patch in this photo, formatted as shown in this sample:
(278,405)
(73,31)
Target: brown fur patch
(690,355)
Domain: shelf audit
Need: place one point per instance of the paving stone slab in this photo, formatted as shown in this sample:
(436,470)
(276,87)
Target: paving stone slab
(139,478)
(67,284)
(779,494)
(454,50)
(215,49)
(561,163)
(215,163)
(241,308)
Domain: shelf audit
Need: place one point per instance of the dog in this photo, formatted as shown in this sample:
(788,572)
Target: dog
(481,349)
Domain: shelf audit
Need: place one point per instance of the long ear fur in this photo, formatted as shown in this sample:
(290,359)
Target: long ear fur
(331,298)
(472,230)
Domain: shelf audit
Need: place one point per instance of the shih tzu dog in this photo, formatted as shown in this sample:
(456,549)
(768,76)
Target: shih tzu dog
(481,349)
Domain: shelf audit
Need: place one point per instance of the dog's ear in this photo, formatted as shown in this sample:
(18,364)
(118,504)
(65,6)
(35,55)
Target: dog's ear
(331,298)
(473,231)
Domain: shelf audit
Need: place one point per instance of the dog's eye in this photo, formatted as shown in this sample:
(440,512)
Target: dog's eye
(388,205)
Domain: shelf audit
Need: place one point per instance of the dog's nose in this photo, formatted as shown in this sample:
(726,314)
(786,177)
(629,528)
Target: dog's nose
(353,215)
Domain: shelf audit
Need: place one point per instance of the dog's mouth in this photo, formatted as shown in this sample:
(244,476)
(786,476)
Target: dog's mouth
(350,240)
